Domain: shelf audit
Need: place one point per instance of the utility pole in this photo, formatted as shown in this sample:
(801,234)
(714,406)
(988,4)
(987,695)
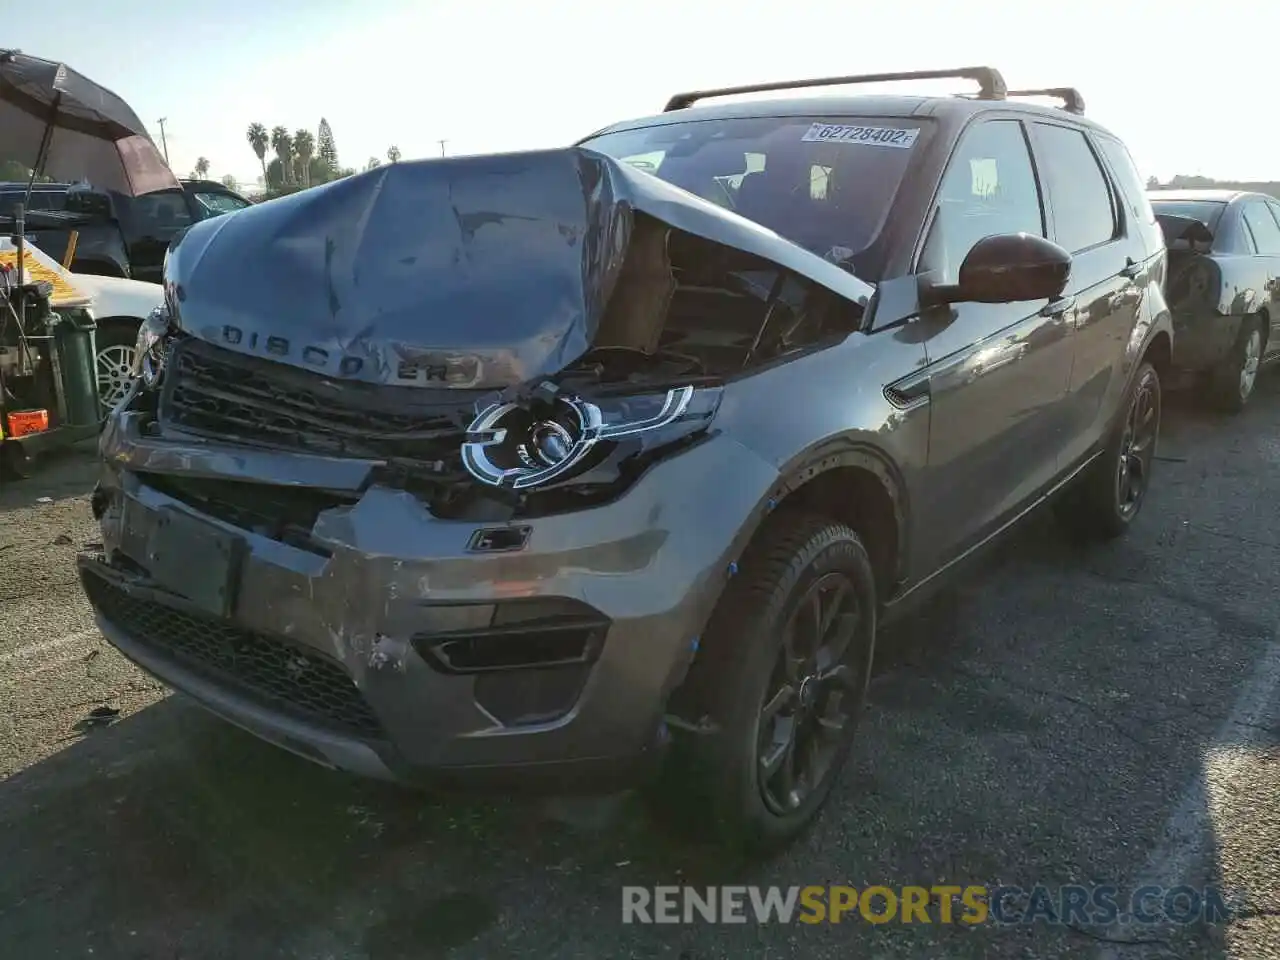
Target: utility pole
(442,143)
(164,144)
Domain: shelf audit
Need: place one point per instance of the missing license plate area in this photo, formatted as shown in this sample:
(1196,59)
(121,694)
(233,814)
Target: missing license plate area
(195,560)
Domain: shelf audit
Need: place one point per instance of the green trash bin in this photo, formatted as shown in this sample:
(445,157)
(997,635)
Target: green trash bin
(73,339)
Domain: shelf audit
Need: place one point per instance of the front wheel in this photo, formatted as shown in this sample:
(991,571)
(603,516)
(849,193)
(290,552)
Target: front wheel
(782,678)
(1113,489)
(115,344)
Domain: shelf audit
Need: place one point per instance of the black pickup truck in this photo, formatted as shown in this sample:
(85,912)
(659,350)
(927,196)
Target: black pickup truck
(118,236)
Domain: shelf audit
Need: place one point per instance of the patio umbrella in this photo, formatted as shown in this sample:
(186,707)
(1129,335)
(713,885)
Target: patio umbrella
(60,123)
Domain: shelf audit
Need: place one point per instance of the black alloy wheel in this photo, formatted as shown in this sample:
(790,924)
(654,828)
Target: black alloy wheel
(807,707)
(777,688)
(1138,447)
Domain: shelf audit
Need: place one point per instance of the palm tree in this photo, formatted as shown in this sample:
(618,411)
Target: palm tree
(258,139)
(202,168)
(304,145)
(393,154)
(282,144)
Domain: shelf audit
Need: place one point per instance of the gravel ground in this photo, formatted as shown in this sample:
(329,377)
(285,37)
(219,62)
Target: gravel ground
(1068,715)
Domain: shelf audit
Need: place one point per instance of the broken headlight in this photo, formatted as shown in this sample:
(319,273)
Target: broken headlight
(529,444)
(149,352)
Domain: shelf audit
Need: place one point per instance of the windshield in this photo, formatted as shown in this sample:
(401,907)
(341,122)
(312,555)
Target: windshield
(824,185)
(1208,212)
(39,200)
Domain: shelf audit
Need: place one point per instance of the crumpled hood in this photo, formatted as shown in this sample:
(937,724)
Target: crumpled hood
(467,272)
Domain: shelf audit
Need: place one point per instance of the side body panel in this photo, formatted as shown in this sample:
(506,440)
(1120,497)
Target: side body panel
(1107,280)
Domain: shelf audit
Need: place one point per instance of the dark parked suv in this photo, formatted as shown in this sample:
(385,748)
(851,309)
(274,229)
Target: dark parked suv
(547,467)
(118,236)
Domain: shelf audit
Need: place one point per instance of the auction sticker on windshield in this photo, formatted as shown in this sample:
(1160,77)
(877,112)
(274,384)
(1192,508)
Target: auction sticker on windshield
(872,136)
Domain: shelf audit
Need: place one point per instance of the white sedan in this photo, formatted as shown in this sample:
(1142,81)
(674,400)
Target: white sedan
(119,307)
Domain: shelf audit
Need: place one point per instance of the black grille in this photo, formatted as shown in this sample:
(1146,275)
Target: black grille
(285,514)
(219,393)
(277,674)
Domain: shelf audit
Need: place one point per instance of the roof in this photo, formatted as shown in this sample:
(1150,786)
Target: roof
(209,184)
(1218,196)
(866,105)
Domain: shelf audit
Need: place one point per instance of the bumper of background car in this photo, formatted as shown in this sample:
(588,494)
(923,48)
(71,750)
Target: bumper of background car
(1202,339)
(332,648)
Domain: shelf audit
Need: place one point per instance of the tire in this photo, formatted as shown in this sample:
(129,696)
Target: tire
(1110,495)
(114,346)
(717,780)
(1231,385)
(15,463)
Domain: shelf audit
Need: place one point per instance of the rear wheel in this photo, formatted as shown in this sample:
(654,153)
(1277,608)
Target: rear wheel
(15,463)
(782,679)
(1231,385)
(1112,491)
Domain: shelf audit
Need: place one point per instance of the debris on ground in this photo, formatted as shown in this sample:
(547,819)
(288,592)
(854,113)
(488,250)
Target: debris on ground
(101,717)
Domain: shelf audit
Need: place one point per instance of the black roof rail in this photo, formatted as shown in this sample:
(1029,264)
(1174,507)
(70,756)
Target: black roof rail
(1072,102)
(988,78)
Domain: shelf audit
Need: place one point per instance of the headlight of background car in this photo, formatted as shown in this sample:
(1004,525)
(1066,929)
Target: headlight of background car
(151,348)
(522,446)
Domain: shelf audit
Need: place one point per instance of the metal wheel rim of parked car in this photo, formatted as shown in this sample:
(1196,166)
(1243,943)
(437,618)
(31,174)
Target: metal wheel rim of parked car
(1137,448)
(1249,369)
(806,707)
(114,366)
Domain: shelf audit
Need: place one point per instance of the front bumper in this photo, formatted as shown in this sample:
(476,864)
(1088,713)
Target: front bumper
(329,648)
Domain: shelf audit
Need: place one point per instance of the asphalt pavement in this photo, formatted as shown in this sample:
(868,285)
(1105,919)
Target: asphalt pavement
(1068,715)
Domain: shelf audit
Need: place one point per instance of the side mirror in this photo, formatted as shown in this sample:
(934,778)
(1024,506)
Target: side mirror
(1005,268)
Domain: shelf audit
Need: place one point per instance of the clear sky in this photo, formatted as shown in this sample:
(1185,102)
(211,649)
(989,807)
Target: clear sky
(1183,82)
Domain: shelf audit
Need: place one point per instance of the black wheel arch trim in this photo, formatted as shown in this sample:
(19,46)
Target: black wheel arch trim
(833,454)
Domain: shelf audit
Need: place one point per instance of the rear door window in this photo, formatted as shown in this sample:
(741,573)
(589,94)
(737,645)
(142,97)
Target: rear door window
(1084,213)
(160,214)
(1266,233)
(989,188)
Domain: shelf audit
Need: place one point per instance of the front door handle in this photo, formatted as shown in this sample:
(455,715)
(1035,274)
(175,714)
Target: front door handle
(1131,268)
(1058,307)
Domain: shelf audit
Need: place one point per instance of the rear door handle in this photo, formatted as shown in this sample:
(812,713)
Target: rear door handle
(1131,268)
(1058,307)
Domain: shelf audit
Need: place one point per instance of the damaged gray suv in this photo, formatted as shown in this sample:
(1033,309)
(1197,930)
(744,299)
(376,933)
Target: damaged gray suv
(600,466)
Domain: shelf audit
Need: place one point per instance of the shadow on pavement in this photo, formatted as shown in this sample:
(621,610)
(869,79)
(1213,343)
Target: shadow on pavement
(58,475)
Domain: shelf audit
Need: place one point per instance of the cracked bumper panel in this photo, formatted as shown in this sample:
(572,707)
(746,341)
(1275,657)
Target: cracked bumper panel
(366,600)
(1202,340)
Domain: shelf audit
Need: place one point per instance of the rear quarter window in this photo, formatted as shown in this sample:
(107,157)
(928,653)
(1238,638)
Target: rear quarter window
(1126,173)
(1137,205)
